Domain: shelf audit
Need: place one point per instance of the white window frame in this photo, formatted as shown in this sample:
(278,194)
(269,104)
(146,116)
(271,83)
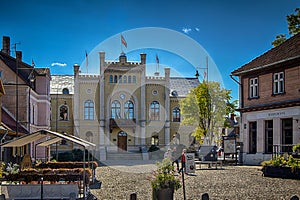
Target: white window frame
(253,83)
(278,83)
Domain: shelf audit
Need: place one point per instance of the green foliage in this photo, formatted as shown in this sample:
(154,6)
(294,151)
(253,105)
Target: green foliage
(164,177)
(296,148)
(280,161)
(205,107)
(293,21)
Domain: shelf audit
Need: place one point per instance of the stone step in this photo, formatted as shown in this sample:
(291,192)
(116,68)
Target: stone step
(124,156)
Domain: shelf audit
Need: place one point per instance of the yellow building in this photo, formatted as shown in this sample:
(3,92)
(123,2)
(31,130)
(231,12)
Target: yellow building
(123,110)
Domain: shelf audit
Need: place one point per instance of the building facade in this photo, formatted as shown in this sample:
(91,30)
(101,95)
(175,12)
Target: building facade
(26,104)
(122,109)
(270,102)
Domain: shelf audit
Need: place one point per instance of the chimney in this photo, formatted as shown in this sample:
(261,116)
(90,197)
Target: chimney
(19,56)
(122,58)
(6,45)
(143,58)
(76,69)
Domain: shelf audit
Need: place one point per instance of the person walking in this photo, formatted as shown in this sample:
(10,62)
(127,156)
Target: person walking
(183,162)
(168,154)
(175,157)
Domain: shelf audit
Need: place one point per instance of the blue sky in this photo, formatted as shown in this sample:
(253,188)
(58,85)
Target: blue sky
(56,33)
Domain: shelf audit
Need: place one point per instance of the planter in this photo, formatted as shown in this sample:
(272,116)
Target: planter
(281,172)
(163,194)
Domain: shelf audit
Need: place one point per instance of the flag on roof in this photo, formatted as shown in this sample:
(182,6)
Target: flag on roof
(32,63)
(157,59)
(123,41)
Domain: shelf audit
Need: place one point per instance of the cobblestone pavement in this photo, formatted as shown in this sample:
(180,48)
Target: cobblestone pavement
(120,179)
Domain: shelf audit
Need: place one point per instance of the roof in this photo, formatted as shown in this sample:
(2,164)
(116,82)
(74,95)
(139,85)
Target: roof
(182,86)
(49,137)
(289,50)
(59,82)
(24,71)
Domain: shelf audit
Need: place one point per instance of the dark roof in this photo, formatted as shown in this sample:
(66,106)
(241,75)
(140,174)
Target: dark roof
(24,70)
(182,86)
(286,51)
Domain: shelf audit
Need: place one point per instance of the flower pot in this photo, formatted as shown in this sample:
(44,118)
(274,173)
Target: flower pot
(163,194)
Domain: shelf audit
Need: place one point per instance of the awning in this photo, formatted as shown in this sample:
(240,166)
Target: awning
(50,137)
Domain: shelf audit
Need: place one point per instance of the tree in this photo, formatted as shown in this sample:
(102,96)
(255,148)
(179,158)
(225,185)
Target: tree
(206,107)
(293,27)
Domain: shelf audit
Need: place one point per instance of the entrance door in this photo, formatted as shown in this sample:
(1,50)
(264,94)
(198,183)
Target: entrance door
(122,141)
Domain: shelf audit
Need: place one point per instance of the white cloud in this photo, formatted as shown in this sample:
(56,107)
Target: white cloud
(59,64)
(197,29)
(186,30)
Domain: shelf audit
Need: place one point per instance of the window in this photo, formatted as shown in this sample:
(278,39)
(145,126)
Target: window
(116,79)
(63,113)
(129,79)
(65,91)
(253,88)
(154,140)
(89,110)
(287,134)
(268,136)
(111,79)
(120,78)
(115,110)
(154,110)
(176,114)
(278,83)
(129,110)
(252,137)
(124,79)
(133,79)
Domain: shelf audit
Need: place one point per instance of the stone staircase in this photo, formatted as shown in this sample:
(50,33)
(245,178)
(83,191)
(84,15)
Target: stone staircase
(124,156)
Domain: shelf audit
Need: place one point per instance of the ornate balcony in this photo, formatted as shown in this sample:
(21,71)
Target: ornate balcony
(122,123)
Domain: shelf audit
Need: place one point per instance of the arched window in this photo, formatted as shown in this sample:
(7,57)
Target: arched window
(65,91)
(89,110)
(129,110)
(154,110)
(176,114)
(120,78)
(111,79)
(133,79)
(116,79)
(154,140)
(115,110)
(63,113)
(124,79)
(129,79)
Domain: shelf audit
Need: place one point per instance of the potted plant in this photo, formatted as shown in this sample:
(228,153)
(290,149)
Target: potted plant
(163,181)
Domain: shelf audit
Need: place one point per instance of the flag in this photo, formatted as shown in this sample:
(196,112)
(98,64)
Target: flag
(86,59)
(32,63)
(123,41)
(157,60)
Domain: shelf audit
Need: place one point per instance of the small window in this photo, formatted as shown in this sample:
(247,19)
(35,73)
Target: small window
(65,91)
(129,79)
(120,78)
(253,88)
(176,114)
(133,79)
(89,110)
(63,113)
(278,83)
(111,79)
(154,111)
(124,79)
(116,79)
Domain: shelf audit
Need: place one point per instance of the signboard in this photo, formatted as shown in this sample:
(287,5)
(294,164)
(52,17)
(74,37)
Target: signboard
(229,145)
(190,163)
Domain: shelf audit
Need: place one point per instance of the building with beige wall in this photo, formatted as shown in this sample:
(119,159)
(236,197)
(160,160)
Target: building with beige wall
(123,110)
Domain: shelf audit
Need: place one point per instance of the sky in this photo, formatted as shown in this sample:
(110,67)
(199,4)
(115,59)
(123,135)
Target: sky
(227,33)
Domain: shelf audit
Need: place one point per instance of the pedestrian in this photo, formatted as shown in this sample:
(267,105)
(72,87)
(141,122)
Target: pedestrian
(168,154)
(175,157)
(183,161)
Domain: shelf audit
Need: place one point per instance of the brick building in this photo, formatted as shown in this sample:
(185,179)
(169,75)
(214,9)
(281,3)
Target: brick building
(270,102)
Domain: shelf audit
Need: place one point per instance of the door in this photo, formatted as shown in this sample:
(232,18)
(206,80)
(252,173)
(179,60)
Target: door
(122,141)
